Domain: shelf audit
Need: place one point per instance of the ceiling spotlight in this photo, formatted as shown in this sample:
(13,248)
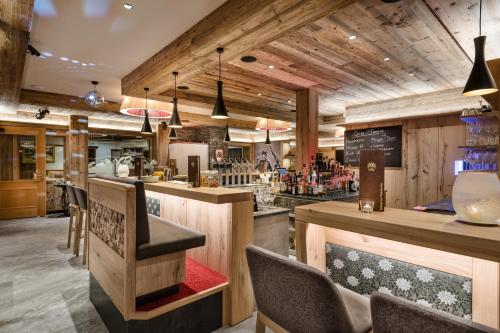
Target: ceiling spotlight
(64,58)
(41,113)
(387,59)
(248,59)
(33,51)
(74,61)
(270,66)
(352,37)
(128,6)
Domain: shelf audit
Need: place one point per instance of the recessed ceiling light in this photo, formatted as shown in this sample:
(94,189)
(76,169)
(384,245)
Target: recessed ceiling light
(74,61)
(72,100)
(91,64)
(387,59)
(412,74)
(47,54)
(248,59)
(64,58)
(127,6)
(270,66)
(42,57)
(84,64)
(352,37)
(289,101)
(259,94)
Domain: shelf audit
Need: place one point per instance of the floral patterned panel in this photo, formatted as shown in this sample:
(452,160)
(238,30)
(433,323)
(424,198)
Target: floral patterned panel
(153,206)
(108,225)
(365,272)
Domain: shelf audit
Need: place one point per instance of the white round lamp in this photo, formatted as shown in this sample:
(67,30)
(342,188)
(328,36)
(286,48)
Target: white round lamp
(476,197)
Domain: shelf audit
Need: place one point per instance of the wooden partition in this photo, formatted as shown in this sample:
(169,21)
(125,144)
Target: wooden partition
(113,263)
(429,149)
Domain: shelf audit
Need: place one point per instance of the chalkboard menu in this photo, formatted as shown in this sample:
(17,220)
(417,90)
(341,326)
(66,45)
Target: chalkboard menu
(388,139)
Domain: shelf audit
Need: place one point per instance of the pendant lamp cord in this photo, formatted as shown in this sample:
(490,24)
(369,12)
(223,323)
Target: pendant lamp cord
(146,100)
(175,85)
(480,15)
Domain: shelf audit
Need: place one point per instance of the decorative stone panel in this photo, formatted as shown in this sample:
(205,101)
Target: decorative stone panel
(108,225)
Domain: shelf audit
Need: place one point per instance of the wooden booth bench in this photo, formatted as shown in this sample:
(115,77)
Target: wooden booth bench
(140,278)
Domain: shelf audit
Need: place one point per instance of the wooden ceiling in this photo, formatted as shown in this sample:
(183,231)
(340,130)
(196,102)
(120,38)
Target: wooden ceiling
(401,49)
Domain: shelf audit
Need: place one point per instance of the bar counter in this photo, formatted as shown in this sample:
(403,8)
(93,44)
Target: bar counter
(426,239)
(225,216)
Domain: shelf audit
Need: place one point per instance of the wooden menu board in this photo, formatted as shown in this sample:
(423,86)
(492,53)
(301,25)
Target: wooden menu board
(388,139)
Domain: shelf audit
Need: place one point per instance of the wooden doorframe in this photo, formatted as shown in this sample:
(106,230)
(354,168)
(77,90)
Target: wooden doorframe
(39,180)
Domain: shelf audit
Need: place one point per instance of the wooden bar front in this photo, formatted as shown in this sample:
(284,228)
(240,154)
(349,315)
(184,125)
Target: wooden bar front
(426,239)
(225,216)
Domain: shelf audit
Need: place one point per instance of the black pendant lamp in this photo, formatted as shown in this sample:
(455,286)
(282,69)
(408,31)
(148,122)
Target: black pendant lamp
(175,120)
(480,81)
(227,138)
(268,139)
(146,126)
(173,134)
(219,111)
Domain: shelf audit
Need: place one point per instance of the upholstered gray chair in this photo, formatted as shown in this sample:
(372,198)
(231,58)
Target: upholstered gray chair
(297,298)
(392,314)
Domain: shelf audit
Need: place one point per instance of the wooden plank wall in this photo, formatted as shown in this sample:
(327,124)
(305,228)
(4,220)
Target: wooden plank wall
(430,146)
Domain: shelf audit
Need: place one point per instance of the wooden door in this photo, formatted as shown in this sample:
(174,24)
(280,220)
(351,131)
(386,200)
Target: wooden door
(22,172)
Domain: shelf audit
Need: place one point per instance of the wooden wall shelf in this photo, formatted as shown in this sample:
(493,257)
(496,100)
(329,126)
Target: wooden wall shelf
(479,147)
(473,117)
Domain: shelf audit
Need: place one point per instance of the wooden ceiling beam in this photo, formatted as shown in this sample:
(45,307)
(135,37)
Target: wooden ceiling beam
(238,26)
(15,24)
(68,102)
(333,119)
(235,107)
(429,104)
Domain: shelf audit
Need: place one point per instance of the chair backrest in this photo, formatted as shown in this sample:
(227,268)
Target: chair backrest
(141,219)
(392,314)
(81,197)
(297,297)
(71,195)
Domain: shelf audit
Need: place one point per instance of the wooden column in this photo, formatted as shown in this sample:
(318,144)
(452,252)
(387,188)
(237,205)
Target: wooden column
(78,140)
(162,142)
(307,126)
(15,19)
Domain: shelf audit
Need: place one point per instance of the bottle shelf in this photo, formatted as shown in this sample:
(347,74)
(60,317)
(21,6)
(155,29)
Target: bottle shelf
(479,147)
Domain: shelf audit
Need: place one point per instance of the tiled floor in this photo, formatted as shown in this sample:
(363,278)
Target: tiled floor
(43,288)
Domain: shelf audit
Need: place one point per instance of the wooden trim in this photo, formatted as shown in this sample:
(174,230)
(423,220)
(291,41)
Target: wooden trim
(217,195)
(129,253)
(486,292)
(147,315)
(430,230)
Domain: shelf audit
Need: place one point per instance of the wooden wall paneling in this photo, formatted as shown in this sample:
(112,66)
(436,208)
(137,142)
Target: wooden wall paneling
(486,292)
(157,273)
(15,18)
(306,127)
(41,165)
(7,149)
(129,262)
(18,199)
(451,135)
(78,149)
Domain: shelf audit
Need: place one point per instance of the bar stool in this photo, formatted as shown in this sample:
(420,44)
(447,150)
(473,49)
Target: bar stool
(81,196)
(392,314)
(73,211)
(294,297)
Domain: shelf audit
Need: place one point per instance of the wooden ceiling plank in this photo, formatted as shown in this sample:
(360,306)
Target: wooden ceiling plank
(15,24)
(239,26)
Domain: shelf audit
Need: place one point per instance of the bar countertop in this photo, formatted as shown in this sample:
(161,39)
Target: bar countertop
(430,230)
(216,195)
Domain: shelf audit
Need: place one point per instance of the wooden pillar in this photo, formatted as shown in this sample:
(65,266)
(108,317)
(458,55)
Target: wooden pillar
(162,142)
(15,19)
(78,139)
(307,126)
